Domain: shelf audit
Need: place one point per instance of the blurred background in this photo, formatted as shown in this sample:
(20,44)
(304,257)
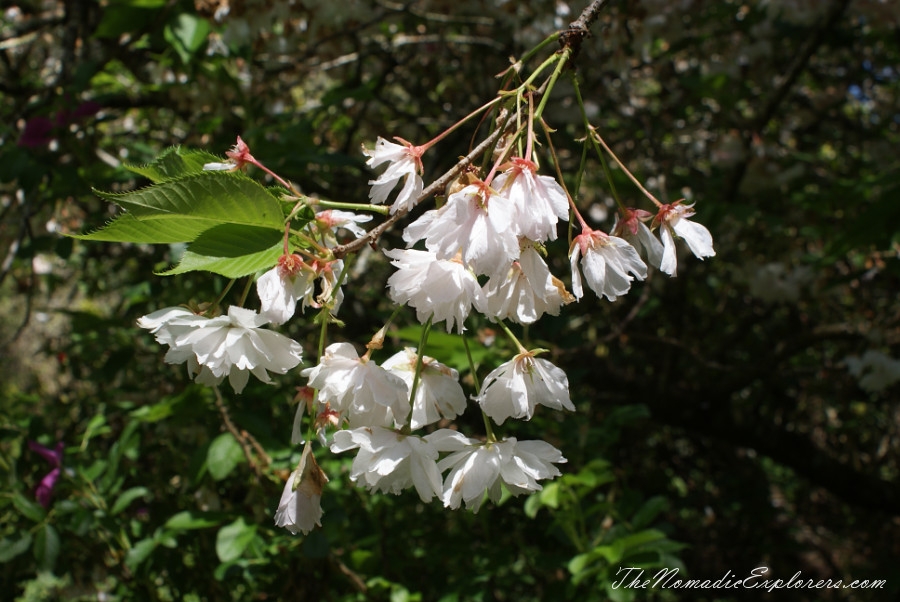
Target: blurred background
(743,414)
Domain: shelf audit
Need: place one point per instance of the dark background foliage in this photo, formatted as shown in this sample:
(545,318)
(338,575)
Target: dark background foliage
(727,409)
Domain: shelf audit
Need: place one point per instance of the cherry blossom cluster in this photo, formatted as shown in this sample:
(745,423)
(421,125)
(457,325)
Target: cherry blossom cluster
(483,248)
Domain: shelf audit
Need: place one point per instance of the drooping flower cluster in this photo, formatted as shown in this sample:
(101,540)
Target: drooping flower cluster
(484,248)
(231,346)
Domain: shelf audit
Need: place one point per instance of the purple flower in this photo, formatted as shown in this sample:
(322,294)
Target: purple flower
(54,456)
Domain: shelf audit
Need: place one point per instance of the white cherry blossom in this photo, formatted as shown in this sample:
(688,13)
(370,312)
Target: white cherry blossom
(539,201)
(527,291)
(632,228)
(476,224)
(673,221)
(608,263)
(405,161)
(300,508)
(443,290)
(516,387)
(366,392)
(438,393)
(390,461)
(232,346)
(479,468)
(280,288)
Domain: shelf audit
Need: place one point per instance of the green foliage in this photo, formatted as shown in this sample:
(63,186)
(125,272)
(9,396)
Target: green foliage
(233,225)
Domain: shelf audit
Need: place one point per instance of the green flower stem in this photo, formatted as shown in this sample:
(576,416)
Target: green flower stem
(553,37)
(488,428)
(381,209)
(603,163)
(596,139)
(549,61)
(420,353)
(562,59)
(246,292)
(224,292)
(510,334)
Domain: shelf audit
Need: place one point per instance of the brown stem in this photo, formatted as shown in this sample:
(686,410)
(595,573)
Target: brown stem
(241,436)
(580,28)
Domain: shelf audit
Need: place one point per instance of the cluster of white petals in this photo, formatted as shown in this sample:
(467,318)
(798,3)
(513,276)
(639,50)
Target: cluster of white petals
(366,392)
(300,509)
(633,229)
(232,345)
(334,219)
(281,288)
(527,291)
(673,221)
(539,201)
(608,263)
(389,461)
(405,163)
(476,224)
(438,394)
(443,290)
(516,387)
(476,468)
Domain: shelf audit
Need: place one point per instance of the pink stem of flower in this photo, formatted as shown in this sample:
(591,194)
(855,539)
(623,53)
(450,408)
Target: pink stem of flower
(637,183)
(455,126)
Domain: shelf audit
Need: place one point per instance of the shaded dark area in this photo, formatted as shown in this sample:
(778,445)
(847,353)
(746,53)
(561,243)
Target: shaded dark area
(747,408)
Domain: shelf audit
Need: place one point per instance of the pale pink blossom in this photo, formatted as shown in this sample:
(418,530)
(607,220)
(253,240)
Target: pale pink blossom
(438,392)
(608,263)
(673,221)
(366,392)
(405,161)
(516,387)
(280,288)
(632,228)
(332,219)
(443,290)
(539,201)
(476,224)
(238,156)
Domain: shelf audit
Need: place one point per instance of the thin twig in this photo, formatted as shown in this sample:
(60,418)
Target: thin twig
(241,436)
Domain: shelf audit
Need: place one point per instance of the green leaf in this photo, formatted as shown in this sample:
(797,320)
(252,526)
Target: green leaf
(10,549)
(175,162)
(649,511)
(127,228)
(187,520)
(139,552)
(29,509)
(229,198)
(232,250)
(224,454)
(233,539)
(638,541)
(126,497)
(181,210)
(46,547)
(186,34)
